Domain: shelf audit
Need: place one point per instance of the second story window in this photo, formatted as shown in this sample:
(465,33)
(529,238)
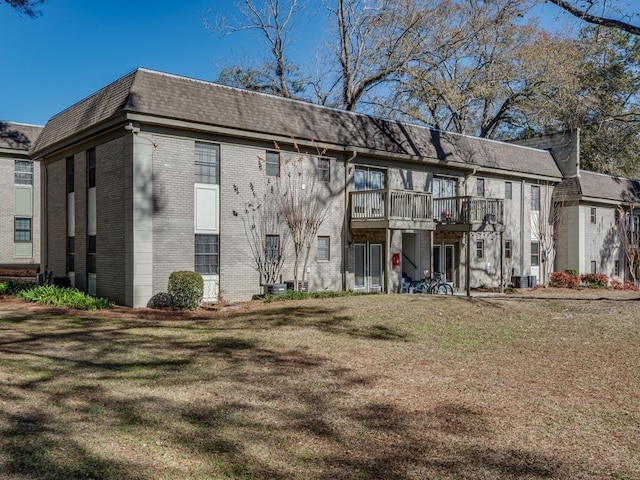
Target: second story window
(535,198)
(207,163)
(367,179)
(324,169)
(508,192)
(480,249)
(273,164)
(594,217)
(91,168)
(480,187)
(272,248)
(23,172)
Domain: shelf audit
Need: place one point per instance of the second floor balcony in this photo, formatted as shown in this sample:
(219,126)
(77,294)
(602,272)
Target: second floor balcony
(469,213)
(398,209)
(401,209)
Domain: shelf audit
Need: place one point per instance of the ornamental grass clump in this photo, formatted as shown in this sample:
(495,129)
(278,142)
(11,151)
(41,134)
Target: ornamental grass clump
(186,290)
(63,297)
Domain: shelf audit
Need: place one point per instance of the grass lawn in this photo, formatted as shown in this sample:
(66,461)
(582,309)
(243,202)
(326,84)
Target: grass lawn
(374,387)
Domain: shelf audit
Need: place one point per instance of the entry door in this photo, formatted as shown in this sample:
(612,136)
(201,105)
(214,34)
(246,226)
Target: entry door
(446,263)
(369,268)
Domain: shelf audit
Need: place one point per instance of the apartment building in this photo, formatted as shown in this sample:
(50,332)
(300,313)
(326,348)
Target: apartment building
(19,196)
(147,176)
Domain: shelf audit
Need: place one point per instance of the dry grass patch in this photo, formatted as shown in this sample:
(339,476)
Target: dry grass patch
(402,387)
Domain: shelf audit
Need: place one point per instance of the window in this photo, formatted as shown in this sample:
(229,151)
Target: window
(480,249)
(508,192)
(70,175)
(91,168)
(22,230)
(594,266)
(324,169)
(535,254)
(207,163)
(594,217)
(71,254)
(207,259)
(273,164)
(323,249)
(535,198)
(480,187)
(23,172)
(508,249)
(616,268)
(272,248)
(91,254)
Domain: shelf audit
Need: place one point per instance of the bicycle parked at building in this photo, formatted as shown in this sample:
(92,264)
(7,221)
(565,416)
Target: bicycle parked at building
(433,285)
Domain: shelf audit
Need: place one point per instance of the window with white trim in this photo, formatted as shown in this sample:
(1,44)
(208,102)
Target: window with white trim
(207,163)
(207,254)
(508,190)
(535,254)
(324,253)
(535,198)
(23,174)
(272,164)
(508,248)
(22,230)
(594,215)
(272,248)
(480,249)
(480,187)
(324,169)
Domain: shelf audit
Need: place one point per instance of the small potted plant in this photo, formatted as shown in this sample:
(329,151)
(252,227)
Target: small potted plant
(445,215)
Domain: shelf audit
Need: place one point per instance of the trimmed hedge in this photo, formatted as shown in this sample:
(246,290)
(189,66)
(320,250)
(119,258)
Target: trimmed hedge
(564,280)
(186,290)
(13,287)
(595,280)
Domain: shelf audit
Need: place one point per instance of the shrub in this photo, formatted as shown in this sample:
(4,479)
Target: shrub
(3,287)
(186,290)
(563,280)
(13,287)
(63,297)
(292,295)
(628,285)
(571,271)
(595,280)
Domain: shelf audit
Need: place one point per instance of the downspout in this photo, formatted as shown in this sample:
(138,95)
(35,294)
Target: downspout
(522,204)
(345,223)
(467,270)
(43,205)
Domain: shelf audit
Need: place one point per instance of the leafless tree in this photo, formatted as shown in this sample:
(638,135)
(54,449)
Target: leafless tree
(628,223)
(262,219)
(303,202)
(546,228)
(273,20)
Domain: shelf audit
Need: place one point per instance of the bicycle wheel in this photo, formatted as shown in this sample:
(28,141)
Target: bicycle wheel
(441,289)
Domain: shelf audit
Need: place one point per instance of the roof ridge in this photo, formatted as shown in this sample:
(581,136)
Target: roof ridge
(22,124)
(94,94)
(245,91)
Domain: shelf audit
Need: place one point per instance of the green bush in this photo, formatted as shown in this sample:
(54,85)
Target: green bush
(63,297)
(186,290)
(13,287)
(3,287)
(293,295)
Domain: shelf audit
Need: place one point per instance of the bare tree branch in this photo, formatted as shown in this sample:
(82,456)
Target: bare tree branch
(595,19)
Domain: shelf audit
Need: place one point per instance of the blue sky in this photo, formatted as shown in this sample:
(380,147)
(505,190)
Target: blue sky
(78,46)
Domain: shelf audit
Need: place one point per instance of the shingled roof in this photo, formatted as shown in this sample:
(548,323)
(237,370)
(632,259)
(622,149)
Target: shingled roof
(18,136)
(599,186)
(169,96)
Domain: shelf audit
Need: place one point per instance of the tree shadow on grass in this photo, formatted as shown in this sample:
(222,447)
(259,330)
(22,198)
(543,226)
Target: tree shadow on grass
(232,405)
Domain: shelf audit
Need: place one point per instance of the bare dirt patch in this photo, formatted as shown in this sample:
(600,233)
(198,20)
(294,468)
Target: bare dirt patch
(402,387)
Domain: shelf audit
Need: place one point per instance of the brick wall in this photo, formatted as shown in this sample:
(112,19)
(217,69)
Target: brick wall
(110,213)
(56,204)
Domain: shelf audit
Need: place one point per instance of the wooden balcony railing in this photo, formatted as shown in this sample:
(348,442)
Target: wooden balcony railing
(406,209)
(391,206)
(469,210)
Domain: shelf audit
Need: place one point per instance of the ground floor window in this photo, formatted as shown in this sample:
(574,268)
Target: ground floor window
(207,258)
(594,266)
(616,268)
(272,248)
(508,249)
(535,254)
(22,230)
